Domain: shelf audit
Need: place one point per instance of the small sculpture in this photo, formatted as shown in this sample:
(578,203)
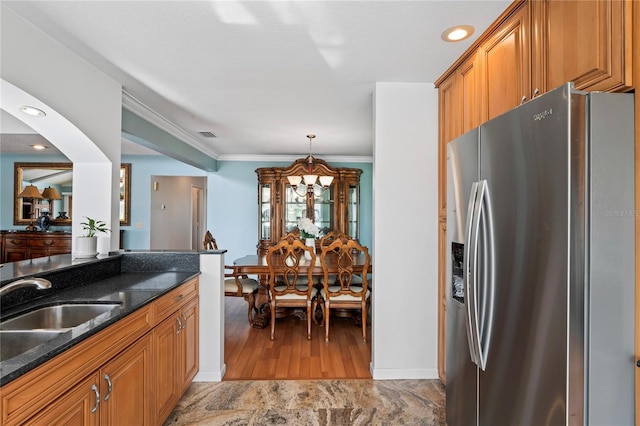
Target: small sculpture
(44,221)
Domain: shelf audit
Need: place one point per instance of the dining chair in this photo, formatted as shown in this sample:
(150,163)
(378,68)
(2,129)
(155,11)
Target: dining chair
(345,292)
(330,237)
(285,287)
(236,285)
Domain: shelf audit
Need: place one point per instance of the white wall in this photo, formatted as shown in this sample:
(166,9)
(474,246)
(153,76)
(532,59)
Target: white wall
(85,104)
(405,232)
(171,211)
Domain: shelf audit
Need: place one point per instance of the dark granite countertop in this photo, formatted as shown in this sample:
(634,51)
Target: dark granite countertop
(132,281)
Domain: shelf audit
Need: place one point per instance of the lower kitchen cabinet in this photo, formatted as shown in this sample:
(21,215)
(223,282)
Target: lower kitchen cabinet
(176,345)
(117,394)
(132,373)
(126,387)
(79,407)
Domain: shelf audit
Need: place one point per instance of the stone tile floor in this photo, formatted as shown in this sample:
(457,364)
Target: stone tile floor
(312,402)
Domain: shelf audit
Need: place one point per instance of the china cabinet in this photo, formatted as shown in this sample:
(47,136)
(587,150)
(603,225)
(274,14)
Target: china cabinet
(280,206)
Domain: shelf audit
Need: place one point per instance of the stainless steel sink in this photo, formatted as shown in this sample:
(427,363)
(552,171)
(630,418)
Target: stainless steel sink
(14,343)
(58,317)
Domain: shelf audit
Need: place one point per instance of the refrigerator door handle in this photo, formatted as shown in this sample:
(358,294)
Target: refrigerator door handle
(469,274)
(483,320)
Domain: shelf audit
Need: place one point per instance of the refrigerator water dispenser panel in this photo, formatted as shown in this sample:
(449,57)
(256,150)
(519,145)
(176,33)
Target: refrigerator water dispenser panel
(457,259)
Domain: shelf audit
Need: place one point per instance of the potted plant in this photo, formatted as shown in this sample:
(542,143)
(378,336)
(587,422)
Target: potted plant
(87,245)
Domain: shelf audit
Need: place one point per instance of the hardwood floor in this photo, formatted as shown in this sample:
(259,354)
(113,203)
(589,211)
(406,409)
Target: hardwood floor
(250,354)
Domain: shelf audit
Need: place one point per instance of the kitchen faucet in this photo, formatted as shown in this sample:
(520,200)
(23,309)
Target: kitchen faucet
(39,283)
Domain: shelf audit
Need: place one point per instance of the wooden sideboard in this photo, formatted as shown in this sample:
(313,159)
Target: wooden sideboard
(21,245)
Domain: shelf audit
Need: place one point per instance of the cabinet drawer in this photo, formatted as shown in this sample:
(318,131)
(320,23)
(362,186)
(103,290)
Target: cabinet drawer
(49,242)
(16,242)
(173,300)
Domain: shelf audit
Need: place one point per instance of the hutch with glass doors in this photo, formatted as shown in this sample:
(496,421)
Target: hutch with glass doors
(280,205)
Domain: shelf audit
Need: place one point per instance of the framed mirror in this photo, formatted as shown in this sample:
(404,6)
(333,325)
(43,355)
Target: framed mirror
(48,188)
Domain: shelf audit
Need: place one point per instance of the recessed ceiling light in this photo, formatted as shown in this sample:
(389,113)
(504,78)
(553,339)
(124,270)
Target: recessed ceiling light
(33,111)
(457,33)
(39,147)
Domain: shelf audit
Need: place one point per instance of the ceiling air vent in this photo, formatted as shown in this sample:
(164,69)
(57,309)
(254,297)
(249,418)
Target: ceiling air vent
(208,134)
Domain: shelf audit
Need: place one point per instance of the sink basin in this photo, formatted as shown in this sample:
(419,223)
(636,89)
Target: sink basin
(13,343)
(58,317)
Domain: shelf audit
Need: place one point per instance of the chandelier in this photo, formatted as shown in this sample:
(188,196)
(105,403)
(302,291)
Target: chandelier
(309,180)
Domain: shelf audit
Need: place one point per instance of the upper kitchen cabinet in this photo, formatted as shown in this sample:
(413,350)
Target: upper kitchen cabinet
(280,205)
(504,65)
(458,112)
(587,42)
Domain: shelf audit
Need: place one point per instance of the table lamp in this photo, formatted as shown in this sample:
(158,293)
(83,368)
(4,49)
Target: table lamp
(51,194)
(31,191)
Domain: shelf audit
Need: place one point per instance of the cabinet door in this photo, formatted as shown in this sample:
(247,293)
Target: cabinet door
(126,386)
(442,299)
(188,345)
(78,407)
(449,128)
(585,42)
(166,339)
(324,210)
(468,94)
(14,255)
(504,61)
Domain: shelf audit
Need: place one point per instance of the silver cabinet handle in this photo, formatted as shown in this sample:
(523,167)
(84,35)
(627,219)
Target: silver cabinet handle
(108,380)
(535,93)
(524,98)
(179,325)
(94,388)
(184,320)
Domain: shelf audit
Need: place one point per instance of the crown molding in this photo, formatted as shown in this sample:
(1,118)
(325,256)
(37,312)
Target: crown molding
(291,158)
(142,110)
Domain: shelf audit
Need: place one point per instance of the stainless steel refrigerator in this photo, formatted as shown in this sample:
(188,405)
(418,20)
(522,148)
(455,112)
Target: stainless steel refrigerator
(540,275)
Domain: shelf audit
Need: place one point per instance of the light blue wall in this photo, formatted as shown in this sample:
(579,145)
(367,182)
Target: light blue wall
(232,200)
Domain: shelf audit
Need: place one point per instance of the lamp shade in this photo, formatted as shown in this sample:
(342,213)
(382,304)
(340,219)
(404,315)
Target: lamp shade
(309,180)
(326,180)
(31,191)
(50,193)
(294,180)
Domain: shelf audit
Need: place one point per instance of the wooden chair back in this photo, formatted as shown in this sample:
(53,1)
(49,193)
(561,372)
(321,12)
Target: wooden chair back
(285,286)
(349,287)
(209,242)
(284,261)
(344,252)
(332,236)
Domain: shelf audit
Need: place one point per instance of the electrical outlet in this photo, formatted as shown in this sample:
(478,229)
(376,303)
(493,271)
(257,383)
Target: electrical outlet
(139,225)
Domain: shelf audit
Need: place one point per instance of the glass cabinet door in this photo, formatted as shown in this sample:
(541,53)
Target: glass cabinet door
(353,211)
(323,211)
(295,207)
(265,211)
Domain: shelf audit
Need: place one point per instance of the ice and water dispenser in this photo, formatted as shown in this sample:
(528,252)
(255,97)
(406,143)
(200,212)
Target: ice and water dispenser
(457,259)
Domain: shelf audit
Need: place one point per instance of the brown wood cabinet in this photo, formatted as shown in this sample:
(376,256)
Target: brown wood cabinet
(587,42)
(504,66)
(21,245)
(116,376)
(280,206)
(176,346)
(533,47)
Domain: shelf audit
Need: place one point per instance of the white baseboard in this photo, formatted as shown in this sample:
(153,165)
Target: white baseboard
(210,376)
(403,374)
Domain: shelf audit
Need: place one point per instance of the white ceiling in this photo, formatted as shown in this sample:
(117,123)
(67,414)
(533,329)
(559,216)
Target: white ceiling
(263,74)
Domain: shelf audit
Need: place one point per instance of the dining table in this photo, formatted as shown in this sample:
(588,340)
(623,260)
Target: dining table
(256,264)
